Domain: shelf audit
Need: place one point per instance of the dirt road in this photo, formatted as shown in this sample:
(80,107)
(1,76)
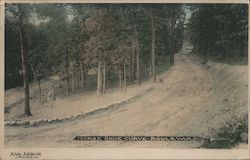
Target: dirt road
(188,102)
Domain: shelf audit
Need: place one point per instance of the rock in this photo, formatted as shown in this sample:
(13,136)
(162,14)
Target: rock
(66,118)
(25,122)
(33,123)
(60,119)
(50,120)
(78,115)
(244,137)
(239,124)
(7,123)
(39,121)
(13,123)
(18,123)
(212,139)
(55,119)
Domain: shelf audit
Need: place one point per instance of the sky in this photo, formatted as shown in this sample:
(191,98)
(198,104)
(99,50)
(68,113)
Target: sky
(188,14)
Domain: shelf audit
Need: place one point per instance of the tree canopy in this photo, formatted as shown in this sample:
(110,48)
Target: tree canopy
(219,28)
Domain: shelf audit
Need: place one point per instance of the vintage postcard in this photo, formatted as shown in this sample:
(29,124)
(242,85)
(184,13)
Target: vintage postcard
(124,80)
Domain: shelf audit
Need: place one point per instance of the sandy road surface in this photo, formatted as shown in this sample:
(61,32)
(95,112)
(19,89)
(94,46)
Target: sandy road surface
(179,106)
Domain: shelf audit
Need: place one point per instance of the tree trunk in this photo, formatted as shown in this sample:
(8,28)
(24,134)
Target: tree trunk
(133,63)
(120,76)
(67,81)
(78,82)
(133,66)
(226,53)
(138,68)
(198,36)
(171,47)
(104,78)
(82,77)
(243,48)
(25,75)
(198,43)
(150,65)
(39,86)
(124,76)
(73,82)
(99,77)
(60,83)
(171,57)
(153,48)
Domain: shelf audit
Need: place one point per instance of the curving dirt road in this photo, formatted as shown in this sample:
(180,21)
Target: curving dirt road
(181,105)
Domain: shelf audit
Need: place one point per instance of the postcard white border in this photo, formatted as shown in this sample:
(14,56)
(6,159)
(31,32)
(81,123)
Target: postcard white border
(115,153)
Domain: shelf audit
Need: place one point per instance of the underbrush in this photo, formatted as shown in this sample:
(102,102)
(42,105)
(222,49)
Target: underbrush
(228,136)
(234,59)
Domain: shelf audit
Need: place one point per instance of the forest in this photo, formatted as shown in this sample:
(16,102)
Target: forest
(113,41)
(219,30)
(76,41)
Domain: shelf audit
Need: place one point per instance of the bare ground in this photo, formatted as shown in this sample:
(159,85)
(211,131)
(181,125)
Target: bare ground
(193,99)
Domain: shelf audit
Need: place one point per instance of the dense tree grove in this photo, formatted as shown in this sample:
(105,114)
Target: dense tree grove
(105,45)
(102,42)
(221,29)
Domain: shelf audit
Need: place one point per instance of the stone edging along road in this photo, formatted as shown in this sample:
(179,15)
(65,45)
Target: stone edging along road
(77,116)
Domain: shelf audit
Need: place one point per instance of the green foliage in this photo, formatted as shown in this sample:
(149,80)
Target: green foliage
(219,28)
(227,136)
(63,37)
